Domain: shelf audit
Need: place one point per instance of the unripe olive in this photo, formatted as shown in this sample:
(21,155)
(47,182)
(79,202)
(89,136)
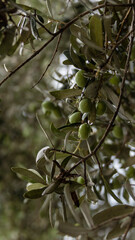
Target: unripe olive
(75,117)
(47,106)
(80,180)
(85,105)
(101,107)
(80,79)
(84,131)
(117,132)
(114,80)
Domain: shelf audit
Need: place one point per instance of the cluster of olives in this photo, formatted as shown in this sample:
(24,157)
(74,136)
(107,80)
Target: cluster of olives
(85,106)
(48,106)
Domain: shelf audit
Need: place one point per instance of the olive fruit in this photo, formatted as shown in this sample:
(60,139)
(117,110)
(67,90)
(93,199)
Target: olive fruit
(114,80)
(84,131)
(47,106)
(101,107)
(75,117)
(80,180)
(117,132)
(80,79)
(85,105)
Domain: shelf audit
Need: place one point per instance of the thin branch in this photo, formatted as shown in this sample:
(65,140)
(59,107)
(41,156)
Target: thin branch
(119,102)
(66,152)
(48,42)
(53,56)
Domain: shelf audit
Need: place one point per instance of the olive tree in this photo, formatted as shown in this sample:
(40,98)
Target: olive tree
(84,174)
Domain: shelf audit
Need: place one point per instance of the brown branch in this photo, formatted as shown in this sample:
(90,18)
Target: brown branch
(57,33)
(66,152)
(119,102)
(49,41)
(53,56)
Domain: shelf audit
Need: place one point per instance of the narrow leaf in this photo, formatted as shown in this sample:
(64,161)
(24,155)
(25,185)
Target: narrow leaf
(112,212)
(96,31)
(66,93)
(52,187)
(30,174)
(34,194)
(109,190)
(70,202)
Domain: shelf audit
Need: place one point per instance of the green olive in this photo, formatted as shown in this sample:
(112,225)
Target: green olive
(117,132)
(80,79)
(85,105)
(101,107)
(114,80)
(75,117)
(84,131)
(80,180)
(47,106)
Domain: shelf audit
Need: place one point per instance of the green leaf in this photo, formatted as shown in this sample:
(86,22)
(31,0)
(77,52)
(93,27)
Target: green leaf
(91,195)
(33,28)
(34,194)
(52,187)
(109,190)
(56,131)
(115,232)
(70,203)
(129,162)
(66,93)
(71,230)
(76,59)
(129,189)
(30,174)
(96,31)
(85,209)
(34,186)
(112,212)
(49,7)
(65,161)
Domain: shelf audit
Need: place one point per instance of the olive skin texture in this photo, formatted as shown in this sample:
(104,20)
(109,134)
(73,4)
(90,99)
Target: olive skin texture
(85,105)
(101,107)
(75,117)
(84,131)
(117,132)
(80,79)
(114,80)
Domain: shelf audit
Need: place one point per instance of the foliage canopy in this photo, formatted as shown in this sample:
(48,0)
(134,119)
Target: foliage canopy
(84,173)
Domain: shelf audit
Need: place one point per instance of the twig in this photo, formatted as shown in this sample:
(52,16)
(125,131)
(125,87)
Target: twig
(49,41)
(66,152)
(119,102)
(53,56)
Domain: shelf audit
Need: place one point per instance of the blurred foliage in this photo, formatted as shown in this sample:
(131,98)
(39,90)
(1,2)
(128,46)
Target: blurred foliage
(93,199)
